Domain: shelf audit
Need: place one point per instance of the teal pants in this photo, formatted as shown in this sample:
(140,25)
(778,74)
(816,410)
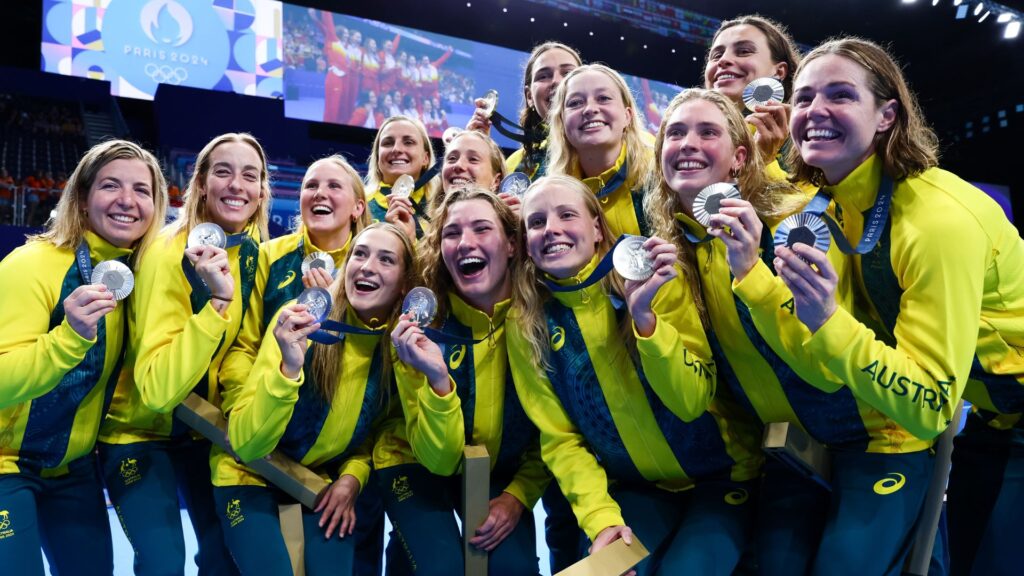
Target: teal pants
(252,528)
(426,539)
(699,531)
(986,500)
(66,516)
(145,481)
(567,544)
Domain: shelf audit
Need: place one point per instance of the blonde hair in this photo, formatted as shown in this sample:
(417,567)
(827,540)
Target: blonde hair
(194,211)
(326,362)
(771,199)
(374,176)
(563,158)
(494,154)
(433,272)
(529,118)
(529,309)
(69,223)
(358,192)
(910,146)
(781,46)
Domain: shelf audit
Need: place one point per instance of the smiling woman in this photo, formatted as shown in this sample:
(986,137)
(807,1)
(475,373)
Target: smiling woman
(60,357)
(401,148)
(191,301)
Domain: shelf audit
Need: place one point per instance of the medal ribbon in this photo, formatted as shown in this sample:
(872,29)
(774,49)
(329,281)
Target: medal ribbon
(84,262)
(616,180)
(600,271)
(325,335)
(499,121)
(873,226)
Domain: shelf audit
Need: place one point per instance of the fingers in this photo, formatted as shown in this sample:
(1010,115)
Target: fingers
(317,278)
(819,259)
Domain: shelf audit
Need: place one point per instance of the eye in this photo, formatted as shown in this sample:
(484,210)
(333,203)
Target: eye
(843,95)
(144,191)
(709,133)
(222,172)
(450,233)
(801,100)
(604,98)
(534,223)
(359,253)
(390,260)
(310,184)
(251,176)
(673,133)
(542,76)
(575,102)
(568,214)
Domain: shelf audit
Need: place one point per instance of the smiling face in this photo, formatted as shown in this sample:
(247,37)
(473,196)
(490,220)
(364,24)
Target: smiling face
(595,114)
(549,69)
(467,160)
(740,55)
(329,204)
(232,185)
(561,233)
(697,149)
(119,205)
(400,151)
(373,274)
(476,253)
(836,117)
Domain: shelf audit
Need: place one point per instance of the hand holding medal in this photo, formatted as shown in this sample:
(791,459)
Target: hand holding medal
(318,270)
(738,226)
(84,307)
(294,325)
(206,251)
(801,261)
(647,264)
(412,345)
(769,115)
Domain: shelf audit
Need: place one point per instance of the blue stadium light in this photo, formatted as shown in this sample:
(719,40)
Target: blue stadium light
(961,12)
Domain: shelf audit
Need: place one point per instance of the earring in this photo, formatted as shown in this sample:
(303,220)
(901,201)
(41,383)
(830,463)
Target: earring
(734,173)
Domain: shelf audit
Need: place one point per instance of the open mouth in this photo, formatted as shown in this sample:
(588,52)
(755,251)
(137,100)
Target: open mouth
(689,164)
(821,135)
(398,162)
(557,248)
(592,125)
(471,266)
(365,286)
(234,202)
(460,181)
(321,210)
(123,218)
(726,76)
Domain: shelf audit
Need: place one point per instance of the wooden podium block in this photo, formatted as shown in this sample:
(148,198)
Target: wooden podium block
(290,516)
(476,489)
(612,560)
(293,478)
(792,446)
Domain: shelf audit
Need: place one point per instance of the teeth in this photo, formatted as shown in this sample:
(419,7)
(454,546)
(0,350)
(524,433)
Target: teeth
(460,181)
(727,76)
(123,218)
(557,248)
(822,134)
(366,285)
(690,165)
(592,124)
(471,260)
(321,209)
(236,202)
(399,162)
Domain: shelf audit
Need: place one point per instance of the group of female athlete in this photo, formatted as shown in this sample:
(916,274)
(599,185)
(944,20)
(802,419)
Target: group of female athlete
(632,404)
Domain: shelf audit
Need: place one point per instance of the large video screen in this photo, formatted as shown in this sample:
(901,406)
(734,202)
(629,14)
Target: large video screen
(226,45)
(347,70)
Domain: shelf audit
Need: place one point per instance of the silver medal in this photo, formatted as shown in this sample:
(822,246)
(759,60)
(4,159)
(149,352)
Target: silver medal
(515,184)
(403,187)
(803,228)
(321,260)
(422,304)
(631,260)
(762,92)
(207,234)
(117,277)
(450,134)
(708,201)
(317,302)
(490,103)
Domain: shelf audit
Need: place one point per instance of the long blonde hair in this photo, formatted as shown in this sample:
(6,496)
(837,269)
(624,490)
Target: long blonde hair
(434,274)
(374,176)
(771,199)
(69,224)
(563,158)
(326,362)
(358,192)
(194,211)
(910,146)
(529,310)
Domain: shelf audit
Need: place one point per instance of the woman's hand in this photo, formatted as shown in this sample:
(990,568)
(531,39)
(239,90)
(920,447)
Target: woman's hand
(317,278)
(611,534)
(640,294)
(478,121)
(421,353)
(739,228)
(502,518)
(513,202)
(772,124)
(339,506)
(212,265)
(84,307)
(400,213)
(294,325)
(814,291)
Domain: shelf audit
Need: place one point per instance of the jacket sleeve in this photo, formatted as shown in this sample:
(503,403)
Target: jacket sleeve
(917,383)
(676,356)
(33,358)
(564,450)
(237,365)
(263,405)
(531,479)
(175,346)
(433,424)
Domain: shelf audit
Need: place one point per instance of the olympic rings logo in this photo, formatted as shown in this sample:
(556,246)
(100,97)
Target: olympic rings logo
(164,74)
